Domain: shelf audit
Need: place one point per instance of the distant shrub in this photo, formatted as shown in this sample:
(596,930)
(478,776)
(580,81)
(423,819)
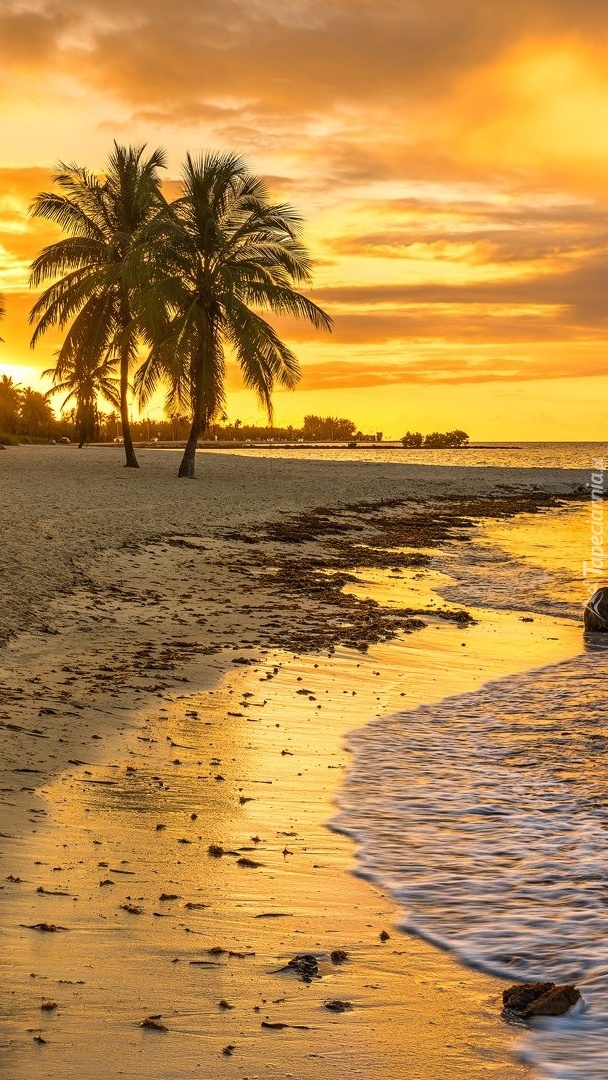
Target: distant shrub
(437,440)
(8,440)
(412,439)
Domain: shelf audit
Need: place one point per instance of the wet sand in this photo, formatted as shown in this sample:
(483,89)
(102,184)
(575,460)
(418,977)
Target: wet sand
(163,698)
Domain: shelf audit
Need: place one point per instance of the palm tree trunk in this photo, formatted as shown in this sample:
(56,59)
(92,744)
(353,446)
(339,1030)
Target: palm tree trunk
(131,460)
(186,468)
(125,356)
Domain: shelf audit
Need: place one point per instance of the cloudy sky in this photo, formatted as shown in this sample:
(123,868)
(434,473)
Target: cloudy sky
(450,158)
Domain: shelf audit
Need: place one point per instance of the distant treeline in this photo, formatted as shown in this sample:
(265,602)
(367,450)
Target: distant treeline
(437,440)
(176,427)
(26,415)
(314,429)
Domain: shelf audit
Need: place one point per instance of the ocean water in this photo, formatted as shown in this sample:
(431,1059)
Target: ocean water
(486,815)
(534,562)
(521,455)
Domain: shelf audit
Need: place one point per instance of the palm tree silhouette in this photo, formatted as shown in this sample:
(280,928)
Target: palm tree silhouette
(10,404)
(36,414)
(95,265)
(86,379)
(222,250)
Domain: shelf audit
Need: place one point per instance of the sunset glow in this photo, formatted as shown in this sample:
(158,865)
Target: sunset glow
(450,160)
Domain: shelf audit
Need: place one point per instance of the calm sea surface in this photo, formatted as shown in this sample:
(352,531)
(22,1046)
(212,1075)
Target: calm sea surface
(486,815)
(541,455)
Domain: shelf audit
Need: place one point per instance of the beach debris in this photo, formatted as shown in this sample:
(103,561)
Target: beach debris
(384,936)
(46,927)
(525,1000)
(48,1006)
(305,965)
(223,1004)
(595,612)
(278,1026)
(228,1050)
(339,1006)
(248,862)
(40,1040)
(338,956)
(106,881)
(52,892)
(169,896)
(192,905)
(133,909)
(274,915)
(154,1023)
(216,851)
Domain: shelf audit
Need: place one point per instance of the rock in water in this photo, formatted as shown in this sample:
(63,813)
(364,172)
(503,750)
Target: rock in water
(525,1000)
(595,614)
(517,998)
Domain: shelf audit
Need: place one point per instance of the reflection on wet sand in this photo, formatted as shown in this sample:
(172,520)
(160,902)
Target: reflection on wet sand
(160,746)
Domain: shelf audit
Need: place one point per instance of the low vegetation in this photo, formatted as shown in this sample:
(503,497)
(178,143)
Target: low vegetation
(437,440)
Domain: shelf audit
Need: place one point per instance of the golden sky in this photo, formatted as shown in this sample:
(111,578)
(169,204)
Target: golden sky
(450,158)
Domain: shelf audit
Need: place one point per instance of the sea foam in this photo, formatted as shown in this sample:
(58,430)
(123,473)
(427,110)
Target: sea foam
(486,817)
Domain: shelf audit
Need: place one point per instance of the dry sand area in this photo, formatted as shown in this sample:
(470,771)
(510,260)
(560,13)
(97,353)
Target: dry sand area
(176,683)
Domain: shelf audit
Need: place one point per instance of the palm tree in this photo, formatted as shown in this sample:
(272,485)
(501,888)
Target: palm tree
(95,287)
(10,403)
(35,413)
(85,379)
(222,249)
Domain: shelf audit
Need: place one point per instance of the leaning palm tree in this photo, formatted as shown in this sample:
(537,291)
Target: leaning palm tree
(224,254)
(93,289)
(86,380)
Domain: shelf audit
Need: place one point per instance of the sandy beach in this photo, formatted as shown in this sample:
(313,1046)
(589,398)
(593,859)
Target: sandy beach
(181,664)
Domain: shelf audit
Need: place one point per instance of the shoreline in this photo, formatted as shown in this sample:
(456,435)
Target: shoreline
(114,688)
(61,507)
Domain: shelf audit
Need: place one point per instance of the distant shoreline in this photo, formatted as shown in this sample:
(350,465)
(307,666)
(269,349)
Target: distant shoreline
(262,444)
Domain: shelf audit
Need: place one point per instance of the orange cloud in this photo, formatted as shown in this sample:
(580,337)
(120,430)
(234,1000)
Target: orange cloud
(449,155)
